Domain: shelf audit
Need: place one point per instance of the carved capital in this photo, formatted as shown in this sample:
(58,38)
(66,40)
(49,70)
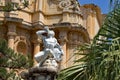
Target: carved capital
(63,40)
(36,41)
(63,36)
(11,34)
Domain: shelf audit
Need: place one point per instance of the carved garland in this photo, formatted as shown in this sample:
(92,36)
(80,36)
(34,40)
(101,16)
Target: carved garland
(69,4)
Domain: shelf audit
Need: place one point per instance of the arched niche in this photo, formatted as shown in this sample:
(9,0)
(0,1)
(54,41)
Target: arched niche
(22,45)
(76,37)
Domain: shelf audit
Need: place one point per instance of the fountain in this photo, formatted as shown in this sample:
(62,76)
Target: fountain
(48,59)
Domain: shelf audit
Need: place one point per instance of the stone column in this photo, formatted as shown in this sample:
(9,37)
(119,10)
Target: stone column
(36,49)
(91,23)
(11,34)
(63,43)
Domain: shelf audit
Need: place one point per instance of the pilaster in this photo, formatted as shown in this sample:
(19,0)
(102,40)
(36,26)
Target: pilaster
(11,35)
(63,43)
(36,48)
(65,16)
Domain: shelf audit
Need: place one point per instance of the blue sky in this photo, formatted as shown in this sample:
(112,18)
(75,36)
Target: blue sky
(103,4)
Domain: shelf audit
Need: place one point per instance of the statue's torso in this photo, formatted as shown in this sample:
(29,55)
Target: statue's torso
(49,42)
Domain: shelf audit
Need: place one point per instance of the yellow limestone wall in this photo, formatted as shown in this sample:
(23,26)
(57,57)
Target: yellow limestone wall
(73,25)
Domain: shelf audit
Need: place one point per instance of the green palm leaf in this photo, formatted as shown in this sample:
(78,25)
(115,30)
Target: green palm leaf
(102,57)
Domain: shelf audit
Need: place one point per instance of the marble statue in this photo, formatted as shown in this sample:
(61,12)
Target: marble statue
(52,52)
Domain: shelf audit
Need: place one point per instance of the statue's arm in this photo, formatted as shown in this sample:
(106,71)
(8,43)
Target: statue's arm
(40,33)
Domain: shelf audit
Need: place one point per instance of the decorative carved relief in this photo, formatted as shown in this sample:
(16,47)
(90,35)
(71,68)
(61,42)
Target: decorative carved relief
(69,5)
(22,45)
(64,4)
(63,36)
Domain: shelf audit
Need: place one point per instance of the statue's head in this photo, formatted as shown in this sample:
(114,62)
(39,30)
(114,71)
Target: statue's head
(46,28)
(51,33)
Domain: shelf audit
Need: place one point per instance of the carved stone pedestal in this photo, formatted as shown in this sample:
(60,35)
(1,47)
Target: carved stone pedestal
(40,73)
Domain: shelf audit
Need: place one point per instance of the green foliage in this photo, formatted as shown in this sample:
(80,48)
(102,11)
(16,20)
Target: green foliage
(10,6)
(101,59)
(10,62)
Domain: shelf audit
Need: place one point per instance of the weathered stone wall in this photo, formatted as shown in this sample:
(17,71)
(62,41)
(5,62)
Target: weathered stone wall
(73,25)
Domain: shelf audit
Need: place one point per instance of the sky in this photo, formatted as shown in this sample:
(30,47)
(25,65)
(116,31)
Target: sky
(103,4)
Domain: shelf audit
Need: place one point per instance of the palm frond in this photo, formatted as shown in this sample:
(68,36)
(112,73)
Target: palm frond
(102,57)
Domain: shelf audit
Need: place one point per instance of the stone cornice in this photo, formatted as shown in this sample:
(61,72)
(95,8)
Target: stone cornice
(23,24)
(52,14)
(13,19)
(72,27)
(67,25)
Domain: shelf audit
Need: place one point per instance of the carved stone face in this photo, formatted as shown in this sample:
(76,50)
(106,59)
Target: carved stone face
(47,62)
(50,63)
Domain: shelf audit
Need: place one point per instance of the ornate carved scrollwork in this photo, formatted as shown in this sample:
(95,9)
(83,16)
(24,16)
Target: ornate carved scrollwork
(69,5)
(64,4)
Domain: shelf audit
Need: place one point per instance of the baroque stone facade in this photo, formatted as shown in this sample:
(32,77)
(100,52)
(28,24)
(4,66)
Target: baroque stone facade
(73,25)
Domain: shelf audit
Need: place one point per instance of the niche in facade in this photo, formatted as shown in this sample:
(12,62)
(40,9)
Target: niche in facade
(22,47)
